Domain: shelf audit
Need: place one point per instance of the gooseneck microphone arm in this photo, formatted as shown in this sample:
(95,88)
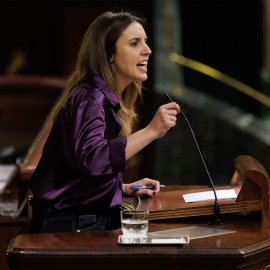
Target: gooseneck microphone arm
(216,221)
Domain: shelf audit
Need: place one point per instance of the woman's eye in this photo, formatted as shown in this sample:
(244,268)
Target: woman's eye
(134,44)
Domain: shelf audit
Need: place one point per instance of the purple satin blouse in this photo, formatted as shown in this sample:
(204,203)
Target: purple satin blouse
(84,156)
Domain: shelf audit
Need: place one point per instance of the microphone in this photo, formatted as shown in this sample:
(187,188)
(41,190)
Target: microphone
(217,221)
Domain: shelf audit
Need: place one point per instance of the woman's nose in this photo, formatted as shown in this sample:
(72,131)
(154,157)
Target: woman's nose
(147,50)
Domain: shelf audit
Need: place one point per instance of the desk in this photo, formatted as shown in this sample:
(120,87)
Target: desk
(10,228)
(248,248)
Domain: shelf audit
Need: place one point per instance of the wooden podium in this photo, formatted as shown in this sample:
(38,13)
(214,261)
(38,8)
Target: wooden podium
(248,247)
(250,182)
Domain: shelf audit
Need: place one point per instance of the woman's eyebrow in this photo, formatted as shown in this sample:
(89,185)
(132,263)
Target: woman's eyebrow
(138,39)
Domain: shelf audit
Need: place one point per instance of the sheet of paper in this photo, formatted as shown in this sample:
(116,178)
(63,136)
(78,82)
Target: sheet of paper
(6,172)
(209,195)
(194,232)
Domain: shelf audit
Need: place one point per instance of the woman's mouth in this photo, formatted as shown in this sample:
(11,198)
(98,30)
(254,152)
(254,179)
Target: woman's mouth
(142,66)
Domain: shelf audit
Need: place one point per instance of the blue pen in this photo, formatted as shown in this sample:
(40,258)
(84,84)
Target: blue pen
(135,187)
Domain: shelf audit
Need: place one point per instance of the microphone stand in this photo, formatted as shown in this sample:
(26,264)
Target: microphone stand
(217,221)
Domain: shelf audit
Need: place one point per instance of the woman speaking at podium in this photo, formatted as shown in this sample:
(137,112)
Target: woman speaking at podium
(78,181)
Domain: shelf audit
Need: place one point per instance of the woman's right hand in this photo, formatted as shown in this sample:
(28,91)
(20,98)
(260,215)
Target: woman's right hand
(164,119)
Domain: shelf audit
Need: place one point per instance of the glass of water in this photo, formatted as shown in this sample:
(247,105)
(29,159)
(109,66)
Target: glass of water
(134,225)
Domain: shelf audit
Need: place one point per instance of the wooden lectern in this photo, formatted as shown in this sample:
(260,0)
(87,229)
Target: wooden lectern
(250,182)
(247,248)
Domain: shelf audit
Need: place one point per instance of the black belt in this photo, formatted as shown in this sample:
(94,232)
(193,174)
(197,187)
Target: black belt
(83,209)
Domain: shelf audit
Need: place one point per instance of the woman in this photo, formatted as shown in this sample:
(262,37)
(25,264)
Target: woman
(79,177)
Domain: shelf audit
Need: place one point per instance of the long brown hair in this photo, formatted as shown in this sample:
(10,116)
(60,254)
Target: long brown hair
(98,46)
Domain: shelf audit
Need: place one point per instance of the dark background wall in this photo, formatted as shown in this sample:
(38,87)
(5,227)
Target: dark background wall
(48,33)
(228,36)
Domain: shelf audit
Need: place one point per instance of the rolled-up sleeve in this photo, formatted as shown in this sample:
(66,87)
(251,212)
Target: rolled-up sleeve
(118,154)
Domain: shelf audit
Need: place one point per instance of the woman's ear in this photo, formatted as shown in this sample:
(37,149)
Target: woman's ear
(112,58)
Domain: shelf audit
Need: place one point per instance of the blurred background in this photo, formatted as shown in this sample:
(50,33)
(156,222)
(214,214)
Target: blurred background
(211,56)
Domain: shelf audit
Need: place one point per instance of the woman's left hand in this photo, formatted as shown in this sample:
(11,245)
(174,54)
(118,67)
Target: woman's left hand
(145,182)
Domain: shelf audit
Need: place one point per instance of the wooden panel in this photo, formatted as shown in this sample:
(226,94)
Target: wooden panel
(34,154)
(10,228)
(247,248)
(25,102)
